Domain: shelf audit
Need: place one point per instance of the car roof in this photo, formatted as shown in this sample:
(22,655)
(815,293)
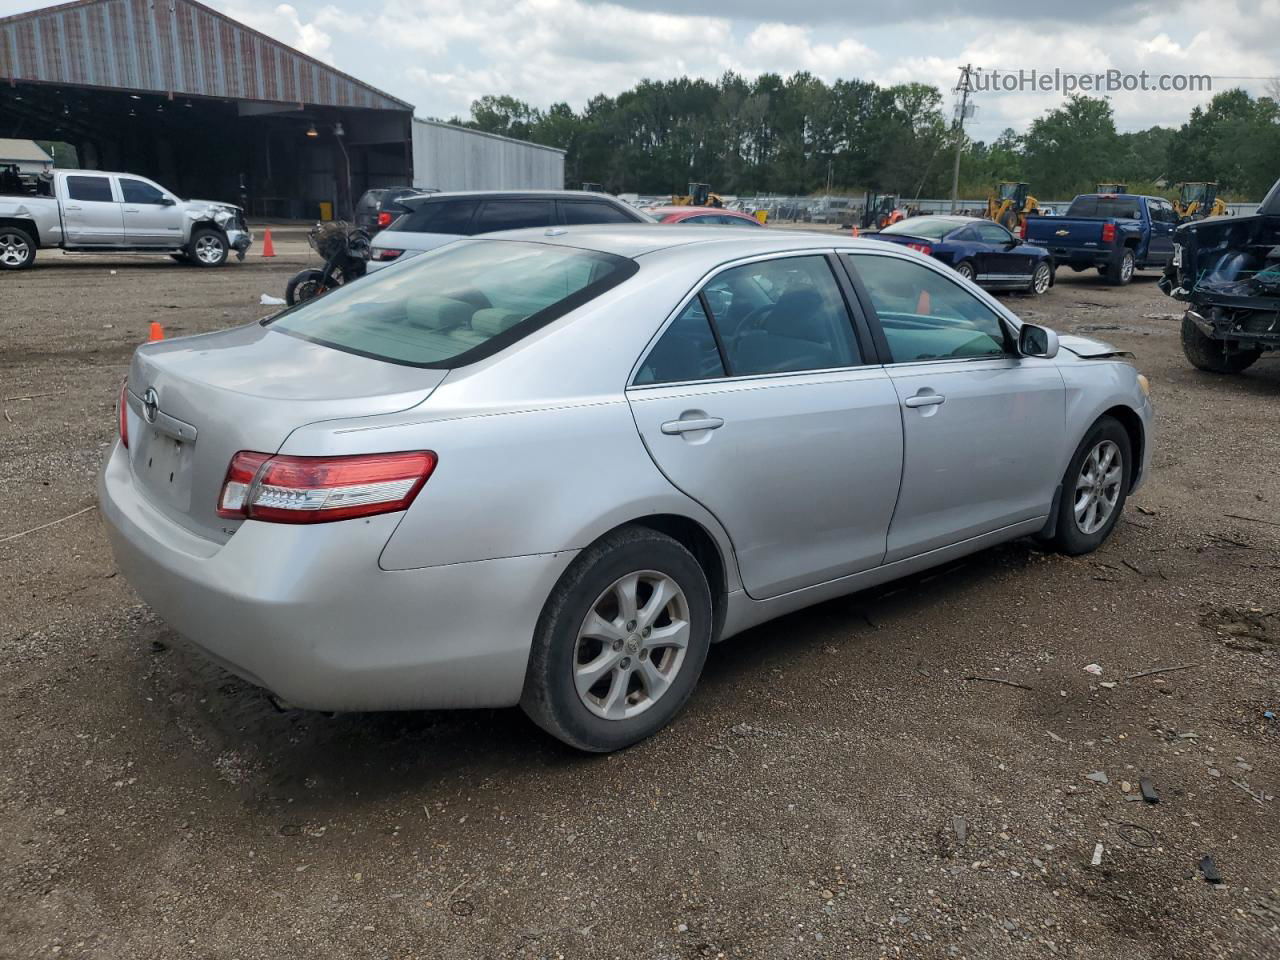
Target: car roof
(641,239)
(671,208)
(948,217)
(517,194)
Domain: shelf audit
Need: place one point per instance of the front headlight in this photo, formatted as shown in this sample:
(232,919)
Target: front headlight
(1144,385)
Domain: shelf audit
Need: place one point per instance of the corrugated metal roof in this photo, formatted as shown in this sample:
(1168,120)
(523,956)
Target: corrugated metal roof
(171,46)
(27,150)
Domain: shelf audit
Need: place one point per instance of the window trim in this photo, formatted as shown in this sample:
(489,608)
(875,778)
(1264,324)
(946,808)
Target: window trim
(869,356)
(1008,322)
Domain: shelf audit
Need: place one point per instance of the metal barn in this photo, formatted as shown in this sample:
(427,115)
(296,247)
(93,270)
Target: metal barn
(448,157)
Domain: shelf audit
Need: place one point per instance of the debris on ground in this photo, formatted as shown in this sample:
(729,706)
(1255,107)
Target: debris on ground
(1094,669)
(1097,855)
(1098,776)
(1148,790)
(1210,870)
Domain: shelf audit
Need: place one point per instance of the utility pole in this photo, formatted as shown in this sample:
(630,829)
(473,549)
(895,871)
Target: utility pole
(963,88)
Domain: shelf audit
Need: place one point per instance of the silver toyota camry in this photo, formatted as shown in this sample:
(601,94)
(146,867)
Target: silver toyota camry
(551,467)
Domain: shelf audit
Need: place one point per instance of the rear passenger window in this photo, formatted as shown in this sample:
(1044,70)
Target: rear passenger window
(89,188)
(685,351)
(513,214)
(780,316)
(442,216)
(593,211)
(925,316)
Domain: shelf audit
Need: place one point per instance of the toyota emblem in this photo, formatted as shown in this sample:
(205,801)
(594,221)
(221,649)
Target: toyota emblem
(150,404)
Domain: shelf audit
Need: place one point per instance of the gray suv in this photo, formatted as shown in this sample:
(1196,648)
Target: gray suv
(440,218)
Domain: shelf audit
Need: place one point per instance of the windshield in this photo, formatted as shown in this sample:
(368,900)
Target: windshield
(931,228)
(457,304)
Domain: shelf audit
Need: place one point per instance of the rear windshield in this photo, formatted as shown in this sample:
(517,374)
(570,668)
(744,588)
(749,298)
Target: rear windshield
(930,228)
(457,304)
(1104,208)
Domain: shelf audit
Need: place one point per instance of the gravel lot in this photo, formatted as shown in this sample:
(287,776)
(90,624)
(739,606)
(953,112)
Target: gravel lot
(837,787)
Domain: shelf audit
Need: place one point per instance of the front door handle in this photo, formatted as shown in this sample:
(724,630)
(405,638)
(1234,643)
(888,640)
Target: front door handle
(924,400)
(674,427)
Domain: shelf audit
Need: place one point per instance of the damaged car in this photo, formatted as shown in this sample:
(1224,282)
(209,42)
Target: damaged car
(1227,271)
(90,211)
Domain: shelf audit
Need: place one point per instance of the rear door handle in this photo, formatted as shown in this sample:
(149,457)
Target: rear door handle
(674,427)
(924,400)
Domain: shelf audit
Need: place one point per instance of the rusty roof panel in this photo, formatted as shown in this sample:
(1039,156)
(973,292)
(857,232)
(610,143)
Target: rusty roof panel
(171,46)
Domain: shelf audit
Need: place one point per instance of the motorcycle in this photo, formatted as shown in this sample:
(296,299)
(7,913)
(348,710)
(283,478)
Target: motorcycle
(345,250)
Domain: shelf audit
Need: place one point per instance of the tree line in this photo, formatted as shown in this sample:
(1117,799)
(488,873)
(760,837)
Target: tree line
(800,135)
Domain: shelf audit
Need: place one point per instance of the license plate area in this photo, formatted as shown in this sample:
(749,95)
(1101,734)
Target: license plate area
(162,464)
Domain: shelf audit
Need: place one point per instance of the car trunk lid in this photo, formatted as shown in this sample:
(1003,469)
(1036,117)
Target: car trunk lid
(194,402)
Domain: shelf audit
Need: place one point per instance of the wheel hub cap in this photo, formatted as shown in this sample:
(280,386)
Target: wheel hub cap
(1098,487)
(631,645)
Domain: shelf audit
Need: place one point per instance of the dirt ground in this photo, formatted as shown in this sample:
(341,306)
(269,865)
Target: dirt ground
(839,785)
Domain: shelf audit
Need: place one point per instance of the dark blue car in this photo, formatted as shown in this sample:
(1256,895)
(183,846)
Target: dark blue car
(979,250)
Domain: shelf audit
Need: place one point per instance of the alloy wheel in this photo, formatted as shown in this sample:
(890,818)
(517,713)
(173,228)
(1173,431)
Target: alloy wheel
(1098,487)
(1041,279)
(1126,269)
(631,645)
(209,249)
(14,250)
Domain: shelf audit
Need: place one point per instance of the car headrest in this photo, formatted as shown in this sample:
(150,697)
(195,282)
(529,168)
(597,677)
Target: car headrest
(437,313)
(492,321)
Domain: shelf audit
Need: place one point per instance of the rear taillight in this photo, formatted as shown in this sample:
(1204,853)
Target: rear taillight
(123,414)
(320,489)
(922,247)
(1108,233)
(381,254)
(1022,230)
(384,219)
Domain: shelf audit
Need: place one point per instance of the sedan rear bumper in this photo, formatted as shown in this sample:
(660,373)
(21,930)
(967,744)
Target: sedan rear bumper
(306,611)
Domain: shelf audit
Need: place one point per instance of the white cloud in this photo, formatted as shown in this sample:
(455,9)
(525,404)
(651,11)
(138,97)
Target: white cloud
(285,24)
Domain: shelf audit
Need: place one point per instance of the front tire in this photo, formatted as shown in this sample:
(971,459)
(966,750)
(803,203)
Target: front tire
(304,285)
(1094,488)
(1206,353)
(208,247)
(620,643)
(17,249)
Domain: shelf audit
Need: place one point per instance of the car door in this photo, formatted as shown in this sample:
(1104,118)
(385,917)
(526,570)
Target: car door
(984,429)
(514,213)
(91,215)
(1163,222)
(1002,262)
(151,216)
(758,401)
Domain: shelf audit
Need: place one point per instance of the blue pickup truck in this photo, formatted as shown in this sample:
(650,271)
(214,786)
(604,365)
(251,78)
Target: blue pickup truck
(1115,232)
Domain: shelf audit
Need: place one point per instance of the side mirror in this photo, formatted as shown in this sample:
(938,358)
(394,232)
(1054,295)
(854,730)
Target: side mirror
(1011,243)
(1034,341)
(167,201)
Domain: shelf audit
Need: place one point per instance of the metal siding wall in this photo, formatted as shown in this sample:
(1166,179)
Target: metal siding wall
(451,158)
(179,47)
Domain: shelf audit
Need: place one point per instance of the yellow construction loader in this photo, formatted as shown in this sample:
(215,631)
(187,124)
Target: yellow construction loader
(1011,204)
(1198,200)
(699,195)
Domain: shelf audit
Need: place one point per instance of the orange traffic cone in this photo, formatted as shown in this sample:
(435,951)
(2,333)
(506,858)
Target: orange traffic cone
(268,248)
(157,332)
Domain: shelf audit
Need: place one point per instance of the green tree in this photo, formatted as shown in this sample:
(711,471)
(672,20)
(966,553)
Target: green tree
(1068,150)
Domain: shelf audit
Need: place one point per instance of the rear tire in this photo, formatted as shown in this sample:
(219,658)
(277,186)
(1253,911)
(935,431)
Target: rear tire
(1078,529)
(17,248)
(1206,353)
(965,269)
(559,694)
(1119,272)
(208,247)
(1041,279)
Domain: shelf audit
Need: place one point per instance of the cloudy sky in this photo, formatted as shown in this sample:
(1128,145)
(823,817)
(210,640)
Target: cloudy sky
(442,54)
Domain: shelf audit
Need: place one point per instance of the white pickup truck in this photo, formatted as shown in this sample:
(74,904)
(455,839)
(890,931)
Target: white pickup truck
(90,211)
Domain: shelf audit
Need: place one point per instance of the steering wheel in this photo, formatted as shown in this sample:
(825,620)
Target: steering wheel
(756,318)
